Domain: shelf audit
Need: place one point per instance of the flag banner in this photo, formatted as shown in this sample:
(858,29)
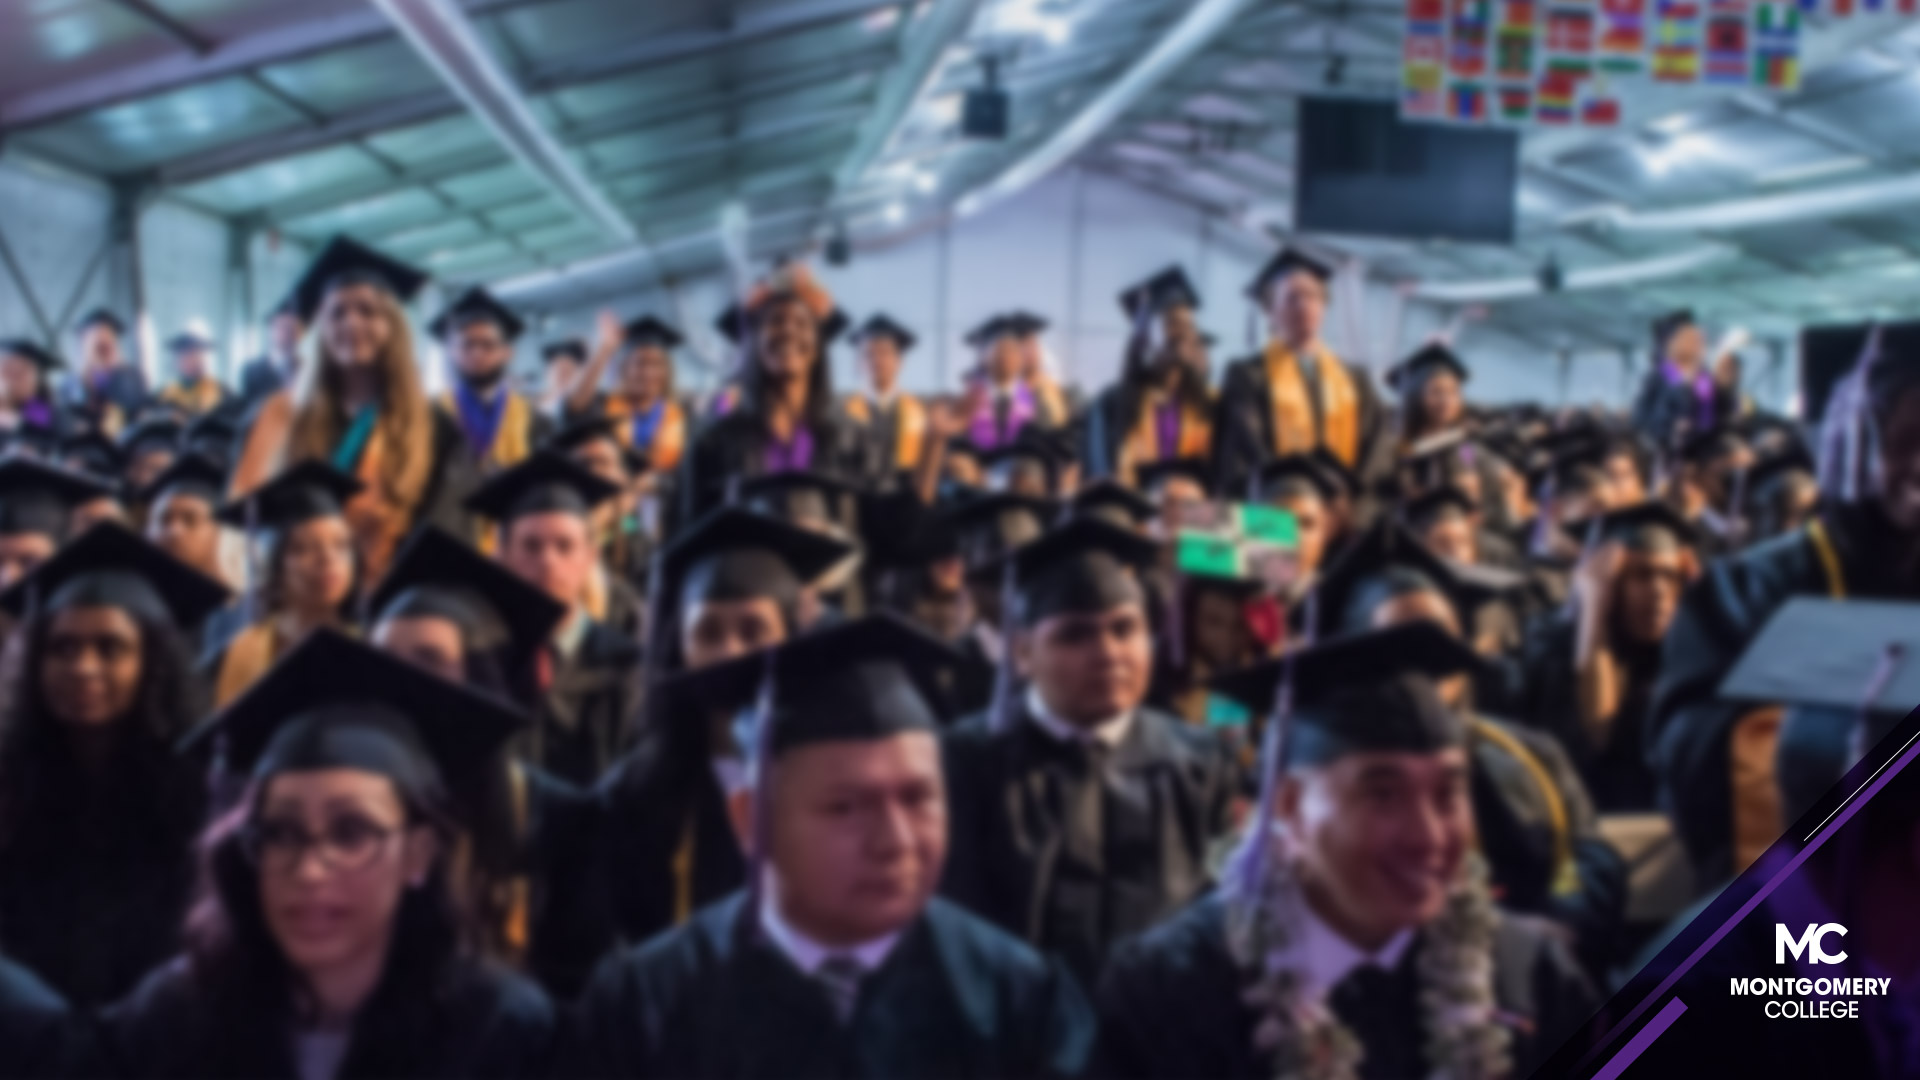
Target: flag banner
(1423,61)
(1676,41)
(1469,31)
(1514,42)
(1467,102)
(1810,6)
(1558,98)
(1910,7)
(1840,8)
(1622,47)
(1599,107)
(1571,28)
(1776,44)
(1516,104)
(1727,61)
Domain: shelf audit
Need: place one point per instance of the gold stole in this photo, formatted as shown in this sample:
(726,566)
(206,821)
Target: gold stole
(197,401)
(1566,872)
(1050,401)
(909,429)
(669,439)
(1143,441)
(251,652)
(1293,412)
(512,439)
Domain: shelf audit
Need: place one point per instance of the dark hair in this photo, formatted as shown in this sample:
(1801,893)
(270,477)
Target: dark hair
(36,760)
(1137,373)
(273,590)
(234,961)
(753,377)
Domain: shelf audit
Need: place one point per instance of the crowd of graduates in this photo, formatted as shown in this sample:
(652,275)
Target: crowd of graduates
(599,729)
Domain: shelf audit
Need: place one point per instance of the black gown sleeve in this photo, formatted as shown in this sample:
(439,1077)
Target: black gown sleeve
(39,1036)
(452,480)
(1238,447)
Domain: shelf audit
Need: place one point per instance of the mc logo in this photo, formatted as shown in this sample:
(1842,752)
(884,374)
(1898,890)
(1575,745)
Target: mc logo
(1808,942)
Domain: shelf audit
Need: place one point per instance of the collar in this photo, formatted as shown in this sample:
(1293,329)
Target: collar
(567,639)
(1321,958)
(808,954)
(1107,732)
(886,400)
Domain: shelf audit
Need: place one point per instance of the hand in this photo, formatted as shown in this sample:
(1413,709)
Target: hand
(944,421)
(609,334)
(1593,578)
(1726,369)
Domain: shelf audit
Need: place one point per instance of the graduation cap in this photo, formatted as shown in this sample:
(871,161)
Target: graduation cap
(1084,566)
(302,492)
(435,573)
(1153,475)
(188,340)
(581,432)
(1111,501)
(1441,503)
(647,330)
(1030,450)
(1438,458)
(573,349)
(732,324)
(190,474)
(1339,471)
(101,317)
(36,497)
(544,483)
(1711,445)
(478,305)
(212,435)
(1771,469)
(345,261)
(1169,288)
(985,333)
(1858,655)
(152,433)
(735,554)
(94,453)
(334,703)
(1385,560)
(1297,474)
(1670,324)
(883,326)
(32,352)
(1575,461)
(795,495)
(110,566)
(989,526)
(1286,262)
(1652,525)
(1435,356)
(1026,324)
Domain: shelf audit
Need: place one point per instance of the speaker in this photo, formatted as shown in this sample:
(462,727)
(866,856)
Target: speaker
(986,113)
(839,249)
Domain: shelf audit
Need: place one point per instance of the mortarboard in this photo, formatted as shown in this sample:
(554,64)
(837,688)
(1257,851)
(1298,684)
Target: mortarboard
(544,483)
(32,352)
(151,433)
(1341,473)
(101,317)
(498,605)
(93,452)
(1282,264)
(190,474)
(302,492)
(1858,655)
(732,324)
(991,525)
(1031,449)
(36,497)
(1167,289)
(1026,324)
(1083,566)
(347,262)
(647,330)
(735,554)
(478,305)
(883,326)
(573,349)
(1384,560)
(1106,498)
(1435,356)
(1772,468)
(1652,525)
(334,703)
(1294,475)
(1439,503)
(111,566)
(1714,444)
(985,333)
(795,495)
(1670,324)
(581,432)
(1438,458)
(211,435)
(1151,475)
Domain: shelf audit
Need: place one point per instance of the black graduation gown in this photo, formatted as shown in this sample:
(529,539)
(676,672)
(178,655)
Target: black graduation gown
(1689,733)
(1616,774)
(1011,855)
(569,921)
(586,713)
(38,1036)
(484,1023)
(1243,432)
(1661,407)
(668,848)
(1170,1005)
(735,445)
(713,999)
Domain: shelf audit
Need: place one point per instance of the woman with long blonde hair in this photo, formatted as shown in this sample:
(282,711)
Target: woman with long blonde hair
(362,407)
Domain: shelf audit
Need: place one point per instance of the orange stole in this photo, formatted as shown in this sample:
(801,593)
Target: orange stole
(1143,440)
(1294,431)
(512,440)
(669,439)
(251,652)
(910,426)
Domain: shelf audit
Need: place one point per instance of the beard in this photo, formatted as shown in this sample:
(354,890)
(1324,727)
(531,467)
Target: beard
(484,382)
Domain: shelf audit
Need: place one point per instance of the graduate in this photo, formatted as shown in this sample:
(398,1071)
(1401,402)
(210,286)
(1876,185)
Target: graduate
(737,581)
(97,812)
(37,501)
(361,407)
(1216,635)
(1707,488)
(1080,817)
(898,420)
(500,425)
(647,415)
(1056,403)
(147,448)
(986,529)
(543,512)
(182,503)
(560,364)
(28,413)
(325,941)
(195,391)
(1681,395)
(1177,487)
(1430,386)
(837,960)
(1303,486)
(1161,408)
(1782,493)
(39,1037)
(268,374)
(1033,464)
(616,595)
(109,390)
(212,437)
(1354,935)
(787,417)
(1297,396)
(448,609)
(1001,401)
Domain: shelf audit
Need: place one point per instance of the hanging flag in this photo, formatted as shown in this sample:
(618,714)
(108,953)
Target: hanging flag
(1676,41)
(1570,37)
(1467,103)
(1842,8)
(1873,5)
(1559,92)
(1469,25)
(1910,7)
(1423,61)
(1513,43)
(1599,110)
(1516,104)
(1776,44)
(1727,62)
(1622,47)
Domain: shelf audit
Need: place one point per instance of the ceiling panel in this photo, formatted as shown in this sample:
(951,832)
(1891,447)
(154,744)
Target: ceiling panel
(346,79)
(423,144)
(287,178)
(147,131)
(371,217)
(491,187)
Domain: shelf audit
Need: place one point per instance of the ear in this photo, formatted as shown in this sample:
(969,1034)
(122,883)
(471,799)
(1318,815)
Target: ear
(740,816)
(1022,646)
(421,849)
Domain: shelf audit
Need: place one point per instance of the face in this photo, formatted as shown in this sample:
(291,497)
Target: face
(284,333)
(1220,637)
(335,856)
(882,356)
(93,512)
(1181,499)
(354,326)
(20,553)
(100,345)
(1623,476)
(554,551)
(1316,527)
(317,565)
(480,351)
(1687,347)
(1440,399)
(1452,536)
(602,458)
(561,371)
(425,642)
(1383,837)
(716,631)
(1004,359)
(1900,462)
(90,673)
(183,525)
(859,835)
(788,339)
(19,378)
(1089,667)
(643,377)
(147,466)
(1297,307)
(1648,593)
(192,364)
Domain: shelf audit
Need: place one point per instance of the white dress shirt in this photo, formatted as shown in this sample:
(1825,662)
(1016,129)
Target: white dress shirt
(1321,957)
(808,955)
(1106,732)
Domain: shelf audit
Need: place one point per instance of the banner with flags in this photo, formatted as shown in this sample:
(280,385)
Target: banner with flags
(1776,44)
(1727,60)
(1676,41)
(1423,61)
(1622,47)
(1515,49)
(1469,29)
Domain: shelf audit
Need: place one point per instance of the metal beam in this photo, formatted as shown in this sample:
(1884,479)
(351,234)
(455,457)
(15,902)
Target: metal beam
(820,126)
(247,153)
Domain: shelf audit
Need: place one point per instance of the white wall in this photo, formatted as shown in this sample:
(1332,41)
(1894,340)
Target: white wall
(55,223)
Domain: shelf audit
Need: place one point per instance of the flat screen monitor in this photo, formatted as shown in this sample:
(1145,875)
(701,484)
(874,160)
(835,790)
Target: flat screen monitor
(1361,171)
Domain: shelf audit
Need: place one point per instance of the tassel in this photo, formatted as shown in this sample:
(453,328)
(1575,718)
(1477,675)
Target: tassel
(763,766)
(1001,717)
(1246,870)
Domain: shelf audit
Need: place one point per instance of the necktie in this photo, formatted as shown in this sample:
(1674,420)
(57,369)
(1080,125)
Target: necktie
(841,976)
(1086,807)
(1002,411)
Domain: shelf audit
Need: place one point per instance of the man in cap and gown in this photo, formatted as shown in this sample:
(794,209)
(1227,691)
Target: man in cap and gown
(837,959)
(267,374)
(501,426)
(986,528)
(108,391)
(898,420)
(1354,935)
(194,390)
(616,595)
(29,414)
(647,416)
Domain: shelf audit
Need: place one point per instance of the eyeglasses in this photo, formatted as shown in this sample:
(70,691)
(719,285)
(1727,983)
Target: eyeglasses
(348,843)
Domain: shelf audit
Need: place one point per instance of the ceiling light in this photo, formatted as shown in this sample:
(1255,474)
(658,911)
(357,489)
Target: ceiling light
(925,182)
(882,20)
(896,213)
